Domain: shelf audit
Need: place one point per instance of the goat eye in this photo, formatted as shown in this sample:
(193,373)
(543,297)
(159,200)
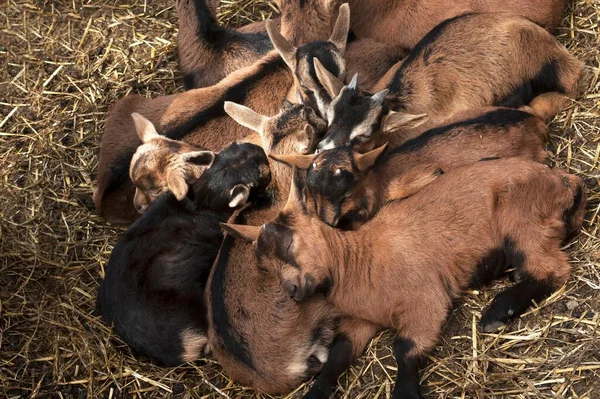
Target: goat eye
(337,172)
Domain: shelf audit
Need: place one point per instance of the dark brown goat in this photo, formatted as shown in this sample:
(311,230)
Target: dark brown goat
(349,188)
(405,267)
(405,22)
(196,117)
(466,62)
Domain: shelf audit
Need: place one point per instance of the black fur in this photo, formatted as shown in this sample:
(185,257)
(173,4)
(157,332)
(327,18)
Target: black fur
(504,118)
(157,272)
(155,278)
(495,264)
(514,301)
(234,343)
(547,80)
(407,380)
(325,182)
(351,109)
(422,49)
(339,360)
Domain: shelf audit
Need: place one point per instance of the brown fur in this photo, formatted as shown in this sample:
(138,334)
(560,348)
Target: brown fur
(280,341)
(256,86)
(404,268)
(405,22)
(473,61)
(161,164)
(468,137)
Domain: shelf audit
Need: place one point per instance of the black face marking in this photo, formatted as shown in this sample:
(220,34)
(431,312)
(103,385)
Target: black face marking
(239,163)
(407,380)
(324,180)
(350,110)
(235,344)
(276,240)
(178,131)
(503,118)
(323,50)
(495,264)
(547,80)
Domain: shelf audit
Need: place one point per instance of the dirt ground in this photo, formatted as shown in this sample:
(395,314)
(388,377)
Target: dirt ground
(63,63)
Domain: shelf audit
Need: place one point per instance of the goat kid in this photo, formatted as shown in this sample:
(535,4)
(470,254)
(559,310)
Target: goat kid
(405,267)
(161,164)
(350,188)
(153,291)
(466,62)
(196,117)
(258,334)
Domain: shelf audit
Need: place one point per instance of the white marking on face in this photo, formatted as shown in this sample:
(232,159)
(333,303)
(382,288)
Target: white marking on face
(337,172)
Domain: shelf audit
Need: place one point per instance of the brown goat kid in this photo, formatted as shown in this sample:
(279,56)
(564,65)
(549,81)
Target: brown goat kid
(350,188)
(196,117)
(405,22)
(275,350)
(466,62)
(404,268)
(278,343)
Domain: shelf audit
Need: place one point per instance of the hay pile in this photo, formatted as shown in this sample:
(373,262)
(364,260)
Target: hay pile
(63,64)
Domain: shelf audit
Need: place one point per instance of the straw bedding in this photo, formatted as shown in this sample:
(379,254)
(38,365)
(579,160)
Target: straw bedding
(64,63)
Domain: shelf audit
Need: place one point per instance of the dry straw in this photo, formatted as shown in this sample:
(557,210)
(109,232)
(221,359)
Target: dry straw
(64,62)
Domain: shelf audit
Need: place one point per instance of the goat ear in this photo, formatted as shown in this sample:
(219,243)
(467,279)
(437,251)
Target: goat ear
(239,195)
(379,97)
(177,184)
(248,233)
(198,161)
(395,120)
(329,81)
(339,36)
(299,161)
(144,128)
(365,161)
(200,158)
(286,49)
(245,116)
(287,104)
(296,196)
